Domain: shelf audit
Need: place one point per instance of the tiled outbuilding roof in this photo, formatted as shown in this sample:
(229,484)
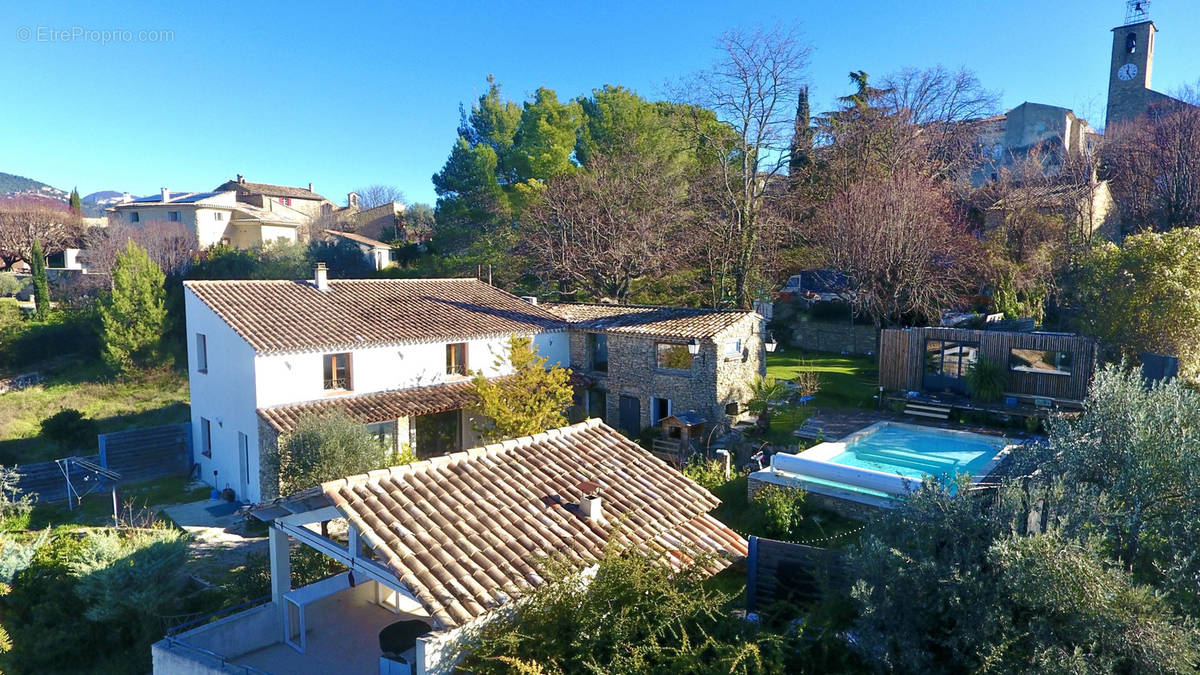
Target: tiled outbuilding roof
(466,532)
(673,322)
(375,407)
(293,316)
(358,238)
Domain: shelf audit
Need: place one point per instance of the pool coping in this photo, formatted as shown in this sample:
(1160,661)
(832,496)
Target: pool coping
(828,449)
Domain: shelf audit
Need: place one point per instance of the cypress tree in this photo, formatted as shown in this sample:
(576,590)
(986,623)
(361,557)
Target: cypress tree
(802,138)
(76,203)
(41,286)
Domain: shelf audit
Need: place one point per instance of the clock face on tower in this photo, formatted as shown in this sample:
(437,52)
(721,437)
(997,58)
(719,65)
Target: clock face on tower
(1127,72)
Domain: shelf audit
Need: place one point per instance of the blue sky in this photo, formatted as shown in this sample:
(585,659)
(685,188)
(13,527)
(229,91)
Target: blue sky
(349,94)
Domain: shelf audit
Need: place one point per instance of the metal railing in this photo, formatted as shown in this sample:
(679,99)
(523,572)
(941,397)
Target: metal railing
(219,614)
(221,659)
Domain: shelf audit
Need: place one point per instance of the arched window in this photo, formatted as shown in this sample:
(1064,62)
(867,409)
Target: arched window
(1131,43)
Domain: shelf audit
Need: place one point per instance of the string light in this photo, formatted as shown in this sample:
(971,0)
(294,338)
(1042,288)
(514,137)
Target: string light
(807,542)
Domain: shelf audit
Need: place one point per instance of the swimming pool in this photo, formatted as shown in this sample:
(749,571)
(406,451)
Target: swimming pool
(887,460)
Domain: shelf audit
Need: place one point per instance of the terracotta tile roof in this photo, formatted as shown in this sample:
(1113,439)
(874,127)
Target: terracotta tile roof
(676,322)
(375,407)
(292,316)
(466,532)
(269,190)
(358,238)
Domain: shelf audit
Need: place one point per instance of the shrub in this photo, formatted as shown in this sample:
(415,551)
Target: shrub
(326,447)
(782,508)
(708,472)
(15,505)
(25,343)
(10,284)
(70,430)
(986,380)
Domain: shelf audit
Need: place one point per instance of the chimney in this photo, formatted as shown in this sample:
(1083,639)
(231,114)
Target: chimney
(241,179)
(590,505)
(310,187)
(166,195)
(126,198)
(531,299)
(321,277)
(592,509)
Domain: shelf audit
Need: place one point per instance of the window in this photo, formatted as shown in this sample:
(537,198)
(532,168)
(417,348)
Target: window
(597,403)
(948,358)
(384,434)
(173,216)
(219,215)
(733,349)
(205,437)
(337,372)
(1038,361)
(598,351)
(456,358)
(671,356)
(659,408)
(286,201)
(135,217)
(201,353)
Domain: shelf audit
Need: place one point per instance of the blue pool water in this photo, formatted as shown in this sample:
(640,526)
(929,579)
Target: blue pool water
(915,452)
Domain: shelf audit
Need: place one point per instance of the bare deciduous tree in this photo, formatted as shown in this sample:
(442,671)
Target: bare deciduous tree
(1154,164)
(22,221)
(603,227)
(377,195)
(170,244)
(902,245)
(937,105)
(752,88)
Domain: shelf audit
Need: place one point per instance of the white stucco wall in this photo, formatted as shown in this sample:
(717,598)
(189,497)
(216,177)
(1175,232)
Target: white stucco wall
(291,378)
(239,382)
(224,395)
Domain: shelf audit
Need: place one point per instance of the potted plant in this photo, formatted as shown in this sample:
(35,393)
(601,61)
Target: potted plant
(986,381)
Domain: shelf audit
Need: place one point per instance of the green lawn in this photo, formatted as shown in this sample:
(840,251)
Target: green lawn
(846,381)
(153,397)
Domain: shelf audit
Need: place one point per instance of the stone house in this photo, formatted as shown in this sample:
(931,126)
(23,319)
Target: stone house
(635,365)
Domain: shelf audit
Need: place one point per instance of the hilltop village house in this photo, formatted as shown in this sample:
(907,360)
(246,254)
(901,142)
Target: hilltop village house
(636,365)
(434,549)
(242,214)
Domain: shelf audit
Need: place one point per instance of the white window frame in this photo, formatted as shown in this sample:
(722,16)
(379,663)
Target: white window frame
(201,353)
(206,437)
(736,352)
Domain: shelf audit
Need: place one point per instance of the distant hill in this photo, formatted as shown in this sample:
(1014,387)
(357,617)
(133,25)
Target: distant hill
(102,197)
(13,184)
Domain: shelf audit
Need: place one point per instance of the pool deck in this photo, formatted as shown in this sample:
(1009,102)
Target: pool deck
(834,424)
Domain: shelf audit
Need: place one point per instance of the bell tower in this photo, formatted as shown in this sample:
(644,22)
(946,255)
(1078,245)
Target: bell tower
(1132,64)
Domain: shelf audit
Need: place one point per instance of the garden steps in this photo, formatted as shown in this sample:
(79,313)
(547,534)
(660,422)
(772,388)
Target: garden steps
(939,412)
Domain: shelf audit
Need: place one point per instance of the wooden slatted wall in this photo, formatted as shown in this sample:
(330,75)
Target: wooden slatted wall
(902,359)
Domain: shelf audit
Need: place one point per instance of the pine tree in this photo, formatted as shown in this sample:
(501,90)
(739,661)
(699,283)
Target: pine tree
(133,316)
(41,286)
(530,401)
(76,204)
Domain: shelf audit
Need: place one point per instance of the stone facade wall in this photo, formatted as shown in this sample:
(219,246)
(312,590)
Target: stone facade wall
(819,336)
(713,381)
